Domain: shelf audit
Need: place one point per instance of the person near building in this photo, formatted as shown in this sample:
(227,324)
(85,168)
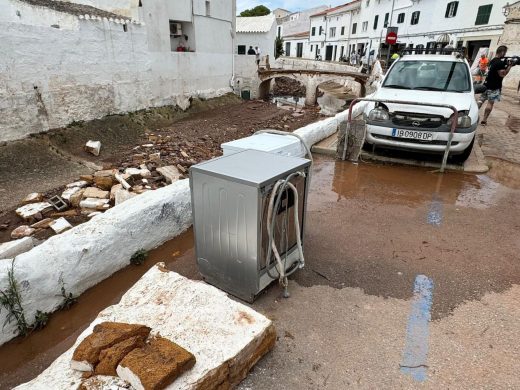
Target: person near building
(498,69)
(251,51)
(257,53)
(483,63)
(353,59)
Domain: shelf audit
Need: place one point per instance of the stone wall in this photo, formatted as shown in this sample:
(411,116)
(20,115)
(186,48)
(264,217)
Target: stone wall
(511,38)
(56,68)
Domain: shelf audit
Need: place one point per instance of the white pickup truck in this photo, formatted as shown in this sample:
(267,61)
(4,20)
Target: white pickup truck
(425,78)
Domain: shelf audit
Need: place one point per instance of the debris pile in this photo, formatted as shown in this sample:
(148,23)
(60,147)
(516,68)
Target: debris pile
(89,196)
(125,350)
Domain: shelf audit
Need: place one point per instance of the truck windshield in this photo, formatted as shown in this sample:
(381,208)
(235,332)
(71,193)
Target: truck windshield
(429,76)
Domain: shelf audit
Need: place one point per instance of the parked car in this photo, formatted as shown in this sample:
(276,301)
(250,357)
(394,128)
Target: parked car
(424,78)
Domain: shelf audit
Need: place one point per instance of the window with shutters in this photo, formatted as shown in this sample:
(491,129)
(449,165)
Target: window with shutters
(343,30)
(415,17)
(484,12)
(354,28)
(376,20)
(364,26)
(451,9)
(313,33)
(387,17)
(400,18)
(332,32)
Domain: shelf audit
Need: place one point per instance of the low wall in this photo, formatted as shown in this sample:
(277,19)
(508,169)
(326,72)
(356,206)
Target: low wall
(246,74)
(302,63)
(89,253)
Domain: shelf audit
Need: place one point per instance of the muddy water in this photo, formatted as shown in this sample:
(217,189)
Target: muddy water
(24,358)
(367,206)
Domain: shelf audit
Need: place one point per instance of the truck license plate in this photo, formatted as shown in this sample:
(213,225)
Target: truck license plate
(413,134)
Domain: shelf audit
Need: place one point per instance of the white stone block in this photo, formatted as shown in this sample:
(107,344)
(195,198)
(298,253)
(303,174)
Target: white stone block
(225,336)
(93,147)
(170,173)
(79,184)
(32,209)
(93,203)
(69,192)
(60,225)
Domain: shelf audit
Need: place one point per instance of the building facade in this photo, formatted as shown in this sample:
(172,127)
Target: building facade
(361,26)
(63,62)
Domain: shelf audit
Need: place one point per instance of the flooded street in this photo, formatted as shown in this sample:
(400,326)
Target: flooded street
(370,231)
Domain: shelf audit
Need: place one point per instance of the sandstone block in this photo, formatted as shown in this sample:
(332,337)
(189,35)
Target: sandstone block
(33,198)
(43,224)
(93,192)
(109,358)
(76,198)
(22,231)
(104,335)
(156,365)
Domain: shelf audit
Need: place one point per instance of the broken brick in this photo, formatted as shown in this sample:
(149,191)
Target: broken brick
(43,224)
(156,365)
(33,198)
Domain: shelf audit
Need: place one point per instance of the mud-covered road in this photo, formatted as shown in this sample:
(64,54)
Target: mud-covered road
(372,231)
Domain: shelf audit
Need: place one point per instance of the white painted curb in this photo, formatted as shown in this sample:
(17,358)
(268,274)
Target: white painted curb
(89,253)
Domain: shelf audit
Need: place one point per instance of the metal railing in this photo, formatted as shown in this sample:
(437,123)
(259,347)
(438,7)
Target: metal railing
(384,101)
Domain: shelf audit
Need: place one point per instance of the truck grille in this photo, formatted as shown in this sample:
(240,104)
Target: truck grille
(419,121)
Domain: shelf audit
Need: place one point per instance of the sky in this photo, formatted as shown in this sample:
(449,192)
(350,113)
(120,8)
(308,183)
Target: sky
(291,5)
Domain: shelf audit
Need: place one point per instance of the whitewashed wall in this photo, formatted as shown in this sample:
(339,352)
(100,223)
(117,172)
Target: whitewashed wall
(264,41)
(87,69)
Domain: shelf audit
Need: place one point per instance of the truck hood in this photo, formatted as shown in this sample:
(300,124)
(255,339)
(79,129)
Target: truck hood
(461,101)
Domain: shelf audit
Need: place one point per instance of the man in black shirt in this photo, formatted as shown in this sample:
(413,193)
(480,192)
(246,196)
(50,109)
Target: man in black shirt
(251,51)
(498,69)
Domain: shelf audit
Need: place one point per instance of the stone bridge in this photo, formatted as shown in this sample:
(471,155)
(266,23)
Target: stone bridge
(311,78)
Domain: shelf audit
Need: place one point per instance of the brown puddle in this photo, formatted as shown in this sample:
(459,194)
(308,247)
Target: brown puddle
(24,358)
(513,124)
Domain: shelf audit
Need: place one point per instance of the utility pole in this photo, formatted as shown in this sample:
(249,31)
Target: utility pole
(389,25)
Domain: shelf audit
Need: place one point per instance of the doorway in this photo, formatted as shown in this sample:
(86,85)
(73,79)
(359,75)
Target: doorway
(474,47)
(328,53)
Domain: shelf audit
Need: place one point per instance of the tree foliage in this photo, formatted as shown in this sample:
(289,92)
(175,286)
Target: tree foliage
(278,44)
(259,10)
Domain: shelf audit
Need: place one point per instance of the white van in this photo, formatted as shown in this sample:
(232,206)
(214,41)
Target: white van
(425,78)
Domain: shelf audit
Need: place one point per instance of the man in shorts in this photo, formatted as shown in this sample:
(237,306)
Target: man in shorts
(498,69)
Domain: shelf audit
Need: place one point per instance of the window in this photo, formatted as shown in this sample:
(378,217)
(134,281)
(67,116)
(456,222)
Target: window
(387,17)
(288,49)
(354,28)
(343,30)
(279,31)
(415,17)
(321,30)
(484,12)
(332,32)
(376,20)
(400,18)
(364,26)
(208,8)
(368,3)
(451,9)
(241,49)
(312,46)
(313,33)
(175,29)
(429,76)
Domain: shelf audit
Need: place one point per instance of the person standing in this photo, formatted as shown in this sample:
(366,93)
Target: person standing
(482,67)
(257,53)
(251,51)
(498,69)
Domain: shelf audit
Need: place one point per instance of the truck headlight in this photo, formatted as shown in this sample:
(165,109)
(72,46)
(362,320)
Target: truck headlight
(378,114)
(463,121)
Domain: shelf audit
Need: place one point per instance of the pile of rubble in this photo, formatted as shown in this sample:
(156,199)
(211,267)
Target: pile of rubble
(89,196)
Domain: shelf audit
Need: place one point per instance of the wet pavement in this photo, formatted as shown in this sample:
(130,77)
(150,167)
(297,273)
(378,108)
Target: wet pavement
(370,231)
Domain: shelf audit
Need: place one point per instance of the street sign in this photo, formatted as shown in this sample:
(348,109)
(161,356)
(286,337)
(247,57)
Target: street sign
(391,38)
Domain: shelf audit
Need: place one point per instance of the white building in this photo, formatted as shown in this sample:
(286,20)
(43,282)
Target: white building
(256,31)
(297,45)
(425,23)
(62,62)
(296,22)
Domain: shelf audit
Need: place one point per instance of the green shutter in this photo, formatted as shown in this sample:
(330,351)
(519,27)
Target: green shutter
(484,12)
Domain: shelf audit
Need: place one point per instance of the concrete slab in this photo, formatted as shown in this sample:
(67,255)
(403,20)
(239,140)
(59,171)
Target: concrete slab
(226,337)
